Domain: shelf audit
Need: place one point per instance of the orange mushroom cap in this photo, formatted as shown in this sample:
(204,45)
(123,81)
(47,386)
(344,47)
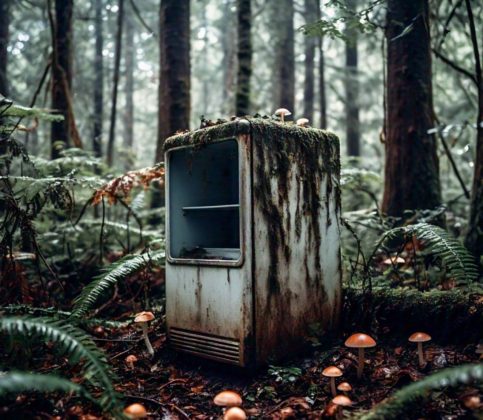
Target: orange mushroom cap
(344,386)
(227,399)
(342,400)
(419,337)
(332,372)
(234,413)
(144,316)
(135,411)
(131,359)
(360,340)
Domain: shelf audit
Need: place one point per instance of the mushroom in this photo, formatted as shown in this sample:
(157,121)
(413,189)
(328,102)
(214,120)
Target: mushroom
(394,260)
(360,341)
(234,413)
(332,372)
(344,387)
(341,401)
(143,318)
(227,399)
(420,338)
(282,112)
(130,360)
(135,411)
(303,122)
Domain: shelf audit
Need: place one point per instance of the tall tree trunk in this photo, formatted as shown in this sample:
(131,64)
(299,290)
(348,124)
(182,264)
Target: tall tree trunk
(284,63)
(117,65)
(322,94)
(310,43)
(244,57)
(474,237)
(174,85)
(352,87)
(98,81)
(62,74)
(412,169)
(228,28)
(129,86)
(4,38)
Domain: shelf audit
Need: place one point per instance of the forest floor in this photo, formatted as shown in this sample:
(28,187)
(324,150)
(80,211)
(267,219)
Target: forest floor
(171,386)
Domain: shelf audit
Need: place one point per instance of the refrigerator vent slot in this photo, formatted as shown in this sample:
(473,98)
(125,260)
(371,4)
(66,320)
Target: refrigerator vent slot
(212,347)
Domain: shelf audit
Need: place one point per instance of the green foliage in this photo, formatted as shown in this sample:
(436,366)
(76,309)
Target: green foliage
(117,271)
(285,374)
(9,109)
(405,399)
(72,342)
(458,262)
(16,382)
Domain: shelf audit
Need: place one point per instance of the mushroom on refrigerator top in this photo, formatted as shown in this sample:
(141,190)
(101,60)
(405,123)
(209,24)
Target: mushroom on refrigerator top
(282,112)
(143,318)
(303,122)
(420,338)
(234,413)
(135,411)
(360,341)
(332,372)
(228,399)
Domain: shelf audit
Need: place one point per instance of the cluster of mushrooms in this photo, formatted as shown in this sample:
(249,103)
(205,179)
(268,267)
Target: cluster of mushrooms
(284,112)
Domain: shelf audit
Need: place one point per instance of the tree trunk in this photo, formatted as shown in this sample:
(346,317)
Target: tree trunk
(322,94)
(412,170)
(284,63)
(228,28)
(352,88)
(62,75)
(117,65)
(310,42)
(4,38)
(98,81)
(174,86)
(244,57)
(129,86)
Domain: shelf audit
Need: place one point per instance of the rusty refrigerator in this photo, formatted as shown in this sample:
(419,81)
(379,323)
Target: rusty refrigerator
(252,239)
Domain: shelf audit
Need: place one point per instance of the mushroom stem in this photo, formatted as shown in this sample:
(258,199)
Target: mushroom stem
(282,118)
(360,367)
(332,387)
(420,354)
(144,326)
(131,365)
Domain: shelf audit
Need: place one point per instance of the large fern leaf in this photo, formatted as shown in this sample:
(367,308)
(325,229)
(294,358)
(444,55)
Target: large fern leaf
(74,343)
(403,400)
(117,271)
(459,263)
(16,382)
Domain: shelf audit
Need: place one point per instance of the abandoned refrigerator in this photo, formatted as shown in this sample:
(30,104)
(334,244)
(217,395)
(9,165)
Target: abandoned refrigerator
(253,253)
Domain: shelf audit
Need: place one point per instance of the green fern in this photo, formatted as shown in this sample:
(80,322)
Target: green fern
(403,400)
(117,271)
(459,263)
(75,344)
(16,382)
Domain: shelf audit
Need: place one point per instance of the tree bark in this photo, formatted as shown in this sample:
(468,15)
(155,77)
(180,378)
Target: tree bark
(129,85)
(228,28)
(4,39)
(174,86)
(244,57)
(411,165)
(98,81)
(474,237)
(322,93)
(310,43)
(117,65)
(284,63)
(352,87)
(62,75)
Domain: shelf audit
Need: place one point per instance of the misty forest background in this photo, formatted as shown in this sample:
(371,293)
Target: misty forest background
(90,90)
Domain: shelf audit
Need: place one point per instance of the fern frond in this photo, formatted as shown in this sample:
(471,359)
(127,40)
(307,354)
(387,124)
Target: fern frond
(403,400)
(16,382)
(9,109)
(74,343)
(459,263)
(116,272)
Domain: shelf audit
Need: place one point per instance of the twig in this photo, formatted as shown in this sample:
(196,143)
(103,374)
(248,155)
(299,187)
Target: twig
(454,66)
